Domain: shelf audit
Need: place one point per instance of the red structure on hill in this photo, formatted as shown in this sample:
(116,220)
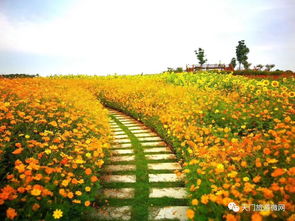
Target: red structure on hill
(210,67)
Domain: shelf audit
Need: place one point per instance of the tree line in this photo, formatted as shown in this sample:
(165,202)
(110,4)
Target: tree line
(241,57)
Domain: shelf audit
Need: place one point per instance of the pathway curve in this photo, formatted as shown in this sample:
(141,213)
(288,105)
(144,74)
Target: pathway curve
(139,181)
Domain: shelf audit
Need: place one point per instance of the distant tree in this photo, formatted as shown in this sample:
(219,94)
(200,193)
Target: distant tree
(201,56)
(260,66)
(233,62)
(170,70)
(241,52)
(268,67)
(179,70)
(246,65)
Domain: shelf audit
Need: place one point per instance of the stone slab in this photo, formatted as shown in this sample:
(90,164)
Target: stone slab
(122,193)
(114,213)
(130,124)
(122,158)
(113,168)
(150,139)
(136,127)
(164,166)
(154,143)
(138,131)
(168,212)
(149,134)
(171,192)
(119,178)
(120,136)
(118,132)
(157,149)
(116,129)
(125,151)
(122,140)
(165,177)
(160,156)
(123,145)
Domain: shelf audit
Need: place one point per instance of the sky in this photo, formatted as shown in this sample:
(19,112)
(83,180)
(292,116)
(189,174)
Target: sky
(141,36)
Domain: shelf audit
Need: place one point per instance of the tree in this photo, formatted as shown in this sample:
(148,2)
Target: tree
(260,66)
(201,56)
(268,67)
(233,62)
(241,52)
(246,65)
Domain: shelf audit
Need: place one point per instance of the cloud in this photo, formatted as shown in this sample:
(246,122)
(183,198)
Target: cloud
(135,36)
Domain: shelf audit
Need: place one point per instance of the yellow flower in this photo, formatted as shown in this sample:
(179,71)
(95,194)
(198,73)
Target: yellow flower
(275,83)
(47,151)
(265,82)
(27,136)
(87,189)
(36,192)
(246,179)
(265,213)
(78,193)
(57,214)
(76,201)
(219,168)
(87,203)
(65,183)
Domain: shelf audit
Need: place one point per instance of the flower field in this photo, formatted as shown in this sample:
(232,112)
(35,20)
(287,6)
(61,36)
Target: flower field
(52,139)
(235,135)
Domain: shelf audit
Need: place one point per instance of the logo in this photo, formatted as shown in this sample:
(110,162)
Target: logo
(232,206)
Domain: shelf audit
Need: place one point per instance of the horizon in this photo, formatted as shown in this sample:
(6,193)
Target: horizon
(133,37)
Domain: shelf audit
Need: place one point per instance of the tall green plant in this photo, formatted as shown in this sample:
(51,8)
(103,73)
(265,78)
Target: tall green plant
(241,51)
(200,53)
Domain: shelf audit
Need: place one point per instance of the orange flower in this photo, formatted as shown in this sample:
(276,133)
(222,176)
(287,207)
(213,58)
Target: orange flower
(204,199)
(190,214)
(56,140)
(70,195)
(275,187)
(268,193)
(230,217)
(256,179)
(21,189)
(18,151)
(35,207)
(88,171)
(87,203)
(93,179)
(11,213)
(258,164)
(266,151)
(195,202)
(19,145)
(277,172)
(292,171)
(256,217)
(244,164)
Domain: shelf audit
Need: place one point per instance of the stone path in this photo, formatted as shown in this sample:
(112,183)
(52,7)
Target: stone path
(140,180)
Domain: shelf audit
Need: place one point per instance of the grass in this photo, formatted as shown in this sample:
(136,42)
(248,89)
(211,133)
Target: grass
(141,201)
